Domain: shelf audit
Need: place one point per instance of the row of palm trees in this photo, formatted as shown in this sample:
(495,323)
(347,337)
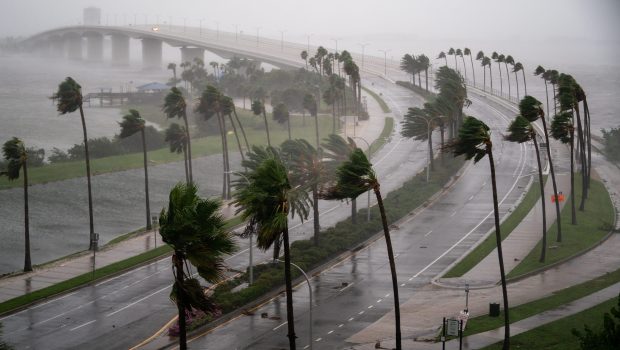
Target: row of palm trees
(416,65)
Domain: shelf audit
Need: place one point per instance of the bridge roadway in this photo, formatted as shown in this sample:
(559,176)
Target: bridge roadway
(121,312)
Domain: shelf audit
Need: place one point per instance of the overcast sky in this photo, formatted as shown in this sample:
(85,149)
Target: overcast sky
(569,30)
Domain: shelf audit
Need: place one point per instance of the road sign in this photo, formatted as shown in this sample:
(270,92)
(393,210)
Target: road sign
(453,327)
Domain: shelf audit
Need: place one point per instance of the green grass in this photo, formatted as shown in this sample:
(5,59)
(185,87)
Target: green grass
(592,225)
(254,127)
(388,126)
(485,323)
(487,246)
(557,335)
(384,106)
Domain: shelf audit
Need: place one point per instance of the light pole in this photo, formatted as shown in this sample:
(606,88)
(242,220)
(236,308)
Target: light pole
(466,297)
(282,40)
(257,35)
(368,152)
(184,24)
(310,293)
(200,26)
(154,222)
(385,61)
(217,35)
(308,50)
(236,32)
(336,40)
(251,279)
(135,21)
(170,23)
(363,45)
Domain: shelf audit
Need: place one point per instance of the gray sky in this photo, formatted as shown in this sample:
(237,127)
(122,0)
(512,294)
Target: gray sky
(566,30)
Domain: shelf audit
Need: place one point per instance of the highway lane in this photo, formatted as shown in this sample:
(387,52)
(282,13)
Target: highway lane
(357,291)
(123,311)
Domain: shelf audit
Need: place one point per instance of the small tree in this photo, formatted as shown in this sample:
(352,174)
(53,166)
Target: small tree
(606,338)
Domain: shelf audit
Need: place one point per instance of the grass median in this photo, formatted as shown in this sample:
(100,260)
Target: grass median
(382,104)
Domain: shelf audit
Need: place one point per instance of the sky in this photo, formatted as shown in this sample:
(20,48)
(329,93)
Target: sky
(567,30)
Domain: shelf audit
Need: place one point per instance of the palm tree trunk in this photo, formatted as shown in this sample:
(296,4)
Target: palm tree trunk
(464,68)
(555,185)
(484,82)
(473,72)
(582,156)
(354,211)
(555,103)
(189,149)
(185,164)
(316,130)
(572,177)
(27,261)
(500,256)
(524,82)
(388,243)
(586,116)
(92,245)
(245,138)
(547,94)
(315,213)
(146,182)
(543,253)
(446,58)
(491,78)
(178,264)
(430,150)
(517,81)
(508,76)
(420,79)
(501,84)
(224,169)
(426,78)
(289,292)
(232,122)
(266,126)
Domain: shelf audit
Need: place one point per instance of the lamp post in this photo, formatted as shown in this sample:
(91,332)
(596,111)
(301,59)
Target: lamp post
(363,45)
(236,32)
(184,24)
(466,297)
(251,279)
(336,41)
(154,222)
(368,152)
(310,294)
(282,40)
(257,35)
(309,35)
(217,33)
(200,26)
(385,61)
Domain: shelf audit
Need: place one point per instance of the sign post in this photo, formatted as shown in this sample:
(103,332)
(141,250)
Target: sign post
(95,244)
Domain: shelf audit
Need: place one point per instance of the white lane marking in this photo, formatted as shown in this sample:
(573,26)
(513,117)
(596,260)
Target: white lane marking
(36,306)
(276,328)
(484,183)
(470,198)
(319,339)
(137,301)
(361,312)
(428,233)
(340,325)
(351,319)
(371,306)
(307,346)
(387,295)
(453,214)
(404,284)
(330,332)
(349,285)
(380,300)
(82,325)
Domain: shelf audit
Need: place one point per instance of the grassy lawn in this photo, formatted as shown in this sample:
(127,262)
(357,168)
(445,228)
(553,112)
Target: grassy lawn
(557,335)
(254,128)
(487,246)
(384,106)
(485,323)
(592,225)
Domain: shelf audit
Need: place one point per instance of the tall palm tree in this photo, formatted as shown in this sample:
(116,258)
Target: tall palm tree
(508,59)
(16,155)
(176,136)
(486,62)
(531,109)
(425,64)
(419,124)
(495,56)
(309,104)
(307,170)
(451,52)
(336,151)
(281,115)
(521,130)
(519,67)
(467,52)
(173,68)
(480,57)
(554,76)
(540,71)
(354,177)
(228,109)
(266,200)
(443,55)
(563,129)
(176,107)
(69,99)
(474,141)
(195,230)
(458,52)
(131,124)
(258,108)
(304,56)
(407,64)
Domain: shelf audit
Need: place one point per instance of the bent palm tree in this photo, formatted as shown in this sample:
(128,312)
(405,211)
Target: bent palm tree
(451,52)
(419,124)
(467,52)
(266,200)
(176,136)
(173,67)
(310,104)
(258,108)
(195,230)
(176,107)
(337,150)
(354,177)
(545,76)
(16,155)
(474,141)
(519,67)
(521,130)
(443,55)
(281,115)
(131,124)
(531,109)
(563,129)
(458,52)
(499,60)
(69,99)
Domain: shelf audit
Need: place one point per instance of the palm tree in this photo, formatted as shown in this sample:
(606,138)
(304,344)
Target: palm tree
(195,230)
(521,130)
(531,109)
(495,56)
(505,60)
(486,62)
(258,108)
(563,129)
(173,67)
(176,107)
(336,151)
(407,64)
(176,136)
(460,53)
(419,124)
(443,55)
(69,99)
(467,52)
(228,109)
(266,200)
(281,115)
(310,104)
(519,67)
(304,56)
(131,124)
(307,170)
(474,141)
(354,177)
(554,76)
(16,155)
(451,52)
(425,64)
(543,74)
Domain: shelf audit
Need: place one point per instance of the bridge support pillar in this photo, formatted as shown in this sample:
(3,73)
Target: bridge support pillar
(151,53)
(120,50)
(94,47)
(188,54)
(74,47)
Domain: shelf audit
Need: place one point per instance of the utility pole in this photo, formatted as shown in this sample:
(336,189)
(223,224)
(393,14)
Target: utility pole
(363,45)
(385,60)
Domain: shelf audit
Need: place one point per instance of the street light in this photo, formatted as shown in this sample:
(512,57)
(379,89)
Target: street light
(200,26)
(236,32)
(309,35)
(385,60)
(251,280)
(282,40)
(217,35)
(368,152)
(184,24)
(257,35)
(363,45)
(336,40)
(310,293)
